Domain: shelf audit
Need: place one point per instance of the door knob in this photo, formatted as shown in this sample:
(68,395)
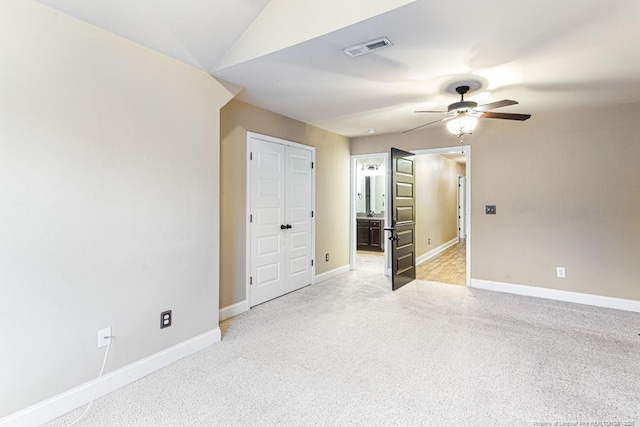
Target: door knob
(283,227)
(289,226)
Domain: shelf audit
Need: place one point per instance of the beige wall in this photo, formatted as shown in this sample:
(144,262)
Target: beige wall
(566,185)
(109,189)
(332,190)
(436,201)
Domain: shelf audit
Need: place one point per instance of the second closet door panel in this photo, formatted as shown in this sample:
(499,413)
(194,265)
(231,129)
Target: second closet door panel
(298,208)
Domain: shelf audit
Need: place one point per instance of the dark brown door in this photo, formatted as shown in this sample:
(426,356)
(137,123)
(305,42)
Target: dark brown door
(403,215)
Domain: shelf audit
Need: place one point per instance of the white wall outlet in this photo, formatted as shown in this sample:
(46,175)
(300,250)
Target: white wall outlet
(104,337)
(560,272)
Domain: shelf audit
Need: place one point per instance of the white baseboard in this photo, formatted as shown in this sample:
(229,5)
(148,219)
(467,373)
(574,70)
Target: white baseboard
(559,295)
(233,310)
(69,400)
(433,252)
(332,273)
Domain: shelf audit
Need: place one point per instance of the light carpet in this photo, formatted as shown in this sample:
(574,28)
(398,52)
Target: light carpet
(349,351)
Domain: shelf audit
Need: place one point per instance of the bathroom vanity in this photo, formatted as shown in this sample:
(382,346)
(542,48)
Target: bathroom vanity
(370,233)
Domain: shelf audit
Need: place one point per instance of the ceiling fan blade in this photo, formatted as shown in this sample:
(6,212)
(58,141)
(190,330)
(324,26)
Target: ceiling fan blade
(508,116)
(427,124)
(497,104)
(427,111)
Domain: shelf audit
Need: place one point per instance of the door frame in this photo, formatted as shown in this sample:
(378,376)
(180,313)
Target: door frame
(467,196)
(462,225)
(353,241)
(247,249)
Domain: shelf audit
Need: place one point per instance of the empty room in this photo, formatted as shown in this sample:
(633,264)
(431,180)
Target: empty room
(249,213)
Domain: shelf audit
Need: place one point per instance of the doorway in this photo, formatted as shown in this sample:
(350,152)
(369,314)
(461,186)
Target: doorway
(432,246)
(369,202)
(444,195)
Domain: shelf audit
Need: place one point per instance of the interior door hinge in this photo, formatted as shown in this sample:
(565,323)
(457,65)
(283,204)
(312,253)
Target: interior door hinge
(251,280)
(311,214)
(250,217)
(251,155)
(311,263)
(311,165)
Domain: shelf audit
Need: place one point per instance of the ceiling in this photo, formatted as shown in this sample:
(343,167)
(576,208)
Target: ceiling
(287,55)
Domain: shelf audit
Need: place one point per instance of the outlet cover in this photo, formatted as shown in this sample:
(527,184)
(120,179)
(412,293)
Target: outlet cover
(165,319)
(490,209)
(326,257)
(104,337)
(560,272)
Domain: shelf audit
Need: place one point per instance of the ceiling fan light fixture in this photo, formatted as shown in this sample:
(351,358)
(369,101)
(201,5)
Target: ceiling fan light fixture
(462,124)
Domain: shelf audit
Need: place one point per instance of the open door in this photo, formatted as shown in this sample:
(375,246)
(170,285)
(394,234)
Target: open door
(402,230)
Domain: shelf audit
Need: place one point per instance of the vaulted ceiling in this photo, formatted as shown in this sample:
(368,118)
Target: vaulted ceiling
(287,54)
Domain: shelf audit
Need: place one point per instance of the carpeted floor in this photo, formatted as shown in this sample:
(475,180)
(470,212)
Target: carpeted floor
(370,261)
(350,352)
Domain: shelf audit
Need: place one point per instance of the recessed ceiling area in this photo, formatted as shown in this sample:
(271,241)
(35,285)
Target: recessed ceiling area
(547,55)
(547,61)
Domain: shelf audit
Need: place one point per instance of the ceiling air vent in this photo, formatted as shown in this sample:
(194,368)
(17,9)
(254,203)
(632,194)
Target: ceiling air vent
(367,47)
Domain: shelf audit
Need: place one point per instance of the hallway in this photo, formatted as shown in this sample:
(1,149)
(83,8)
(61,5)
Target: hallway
(447,267)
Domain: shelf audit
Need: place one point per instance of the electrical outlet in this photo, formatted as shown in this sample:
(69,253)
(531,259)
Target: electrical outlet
(428,241)
(326,257)
(104,337)
(165,319)
(560,272)
(490,209)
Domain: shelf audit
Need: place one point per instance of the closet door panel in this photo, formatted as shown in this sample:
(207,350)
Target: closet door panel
(268,212)
(298,179)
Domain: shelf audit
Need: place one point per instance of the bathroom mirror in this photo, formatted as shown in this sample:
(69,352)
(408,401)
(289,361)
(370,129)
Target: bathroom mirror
(370,192)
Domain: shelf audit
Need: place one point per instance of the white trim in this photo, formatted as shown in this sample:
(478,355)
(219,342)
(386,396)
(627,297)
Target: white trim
(462,223)
(69,400)
(559,295)
(433,252)
(233,310)
(332,273)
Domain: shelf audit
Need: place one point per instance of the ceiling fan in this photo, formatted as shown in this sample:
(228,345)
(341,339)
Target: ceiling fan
(463,115)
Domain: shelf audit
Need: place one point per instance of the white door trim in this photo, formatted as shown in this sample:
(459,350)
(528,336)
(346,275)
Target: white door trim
(352,216)
(467,151)
(462,225)
(247,251)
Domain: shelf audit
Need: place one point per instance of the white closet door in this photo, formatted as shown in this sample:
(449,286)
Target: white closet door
(268,214)
(298,183)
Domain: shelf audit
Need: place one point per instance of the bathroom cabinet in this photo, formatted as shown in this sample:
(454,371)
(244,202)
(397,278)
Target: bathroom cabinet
(369,234)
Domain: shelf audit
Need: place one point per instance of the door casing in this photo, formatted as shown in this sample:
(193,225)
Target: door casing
(462,207)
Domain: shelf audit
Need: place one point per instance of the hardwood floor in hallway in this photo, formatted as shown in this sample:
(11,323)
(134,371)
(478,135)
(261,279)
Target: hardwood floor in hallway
(447,267)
